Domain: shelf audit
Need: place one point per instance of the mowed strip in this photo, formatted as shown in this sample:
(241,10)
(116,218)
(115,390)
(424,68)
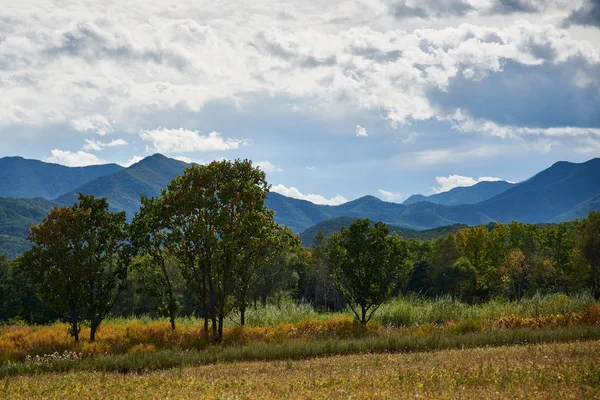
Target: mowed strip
(561,371)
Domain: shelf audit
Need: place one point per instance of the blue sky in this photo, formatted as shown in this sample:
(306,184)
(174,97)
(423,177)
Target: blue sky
(335,100)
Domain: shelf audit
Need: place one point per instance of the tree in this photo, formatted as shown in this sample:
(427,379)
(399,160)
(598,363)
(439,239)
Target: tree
(79,261)
(149,237)
(515,272)
(217,221)
(365,263)
(458,279)
(588,245)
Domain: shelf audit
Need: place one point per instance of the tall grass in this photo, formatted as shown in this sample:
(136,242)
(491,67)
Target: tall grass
(146,362)
(413,310)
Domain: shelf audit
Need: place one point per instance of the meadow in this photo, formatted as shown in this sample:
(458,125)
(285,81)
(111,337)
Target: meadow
(290,331)
(546,371)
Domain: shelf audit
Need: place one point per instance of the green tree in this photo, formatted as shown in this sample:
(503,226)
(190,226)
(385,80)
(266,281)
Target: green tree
(365,264)
(159,274)
(458,279)
(515,273)
(79,261)
(217,221)
(588,245)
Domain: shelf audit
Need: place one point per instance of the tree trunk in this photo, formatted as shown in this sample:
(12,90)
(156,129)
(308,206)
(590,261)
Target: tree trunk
(220,332)
(363,319)
(93,334)
(75,329)
(205,317)
(243,306)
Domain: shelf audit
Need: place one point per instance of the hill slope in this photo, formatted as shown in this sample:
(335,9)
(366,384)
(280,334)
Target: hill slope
(463,195)
(123,188)
(22,178)
(334,225)
(16,216)
(546,195)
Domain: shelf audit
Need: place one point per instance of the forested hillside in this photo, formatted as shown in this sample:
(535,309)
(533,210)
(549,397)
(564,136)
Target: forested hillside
(22,178)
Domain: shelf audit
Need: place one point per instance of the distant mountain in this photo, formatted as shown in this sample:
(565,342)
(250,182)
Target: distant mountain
(22,178)
(334,225)
(16,216)
(463,195)
(579,211)
(123,188)
(564,191)
(548,194)
(300,214)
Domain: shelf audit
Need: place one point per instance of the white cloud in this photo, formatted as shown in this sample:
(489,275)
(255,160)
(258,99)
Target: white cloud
(185,141)
(267,167)
(130,162)
(451,181)
(73,159)
(313,198)
(95,145)
(411,138)
(360,131)
(112,65)
(391,196)
(189,160)
(310,167)
(95,123)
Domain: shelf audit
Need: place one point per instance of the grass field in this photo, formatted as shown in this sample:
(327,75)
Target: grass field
(559,371)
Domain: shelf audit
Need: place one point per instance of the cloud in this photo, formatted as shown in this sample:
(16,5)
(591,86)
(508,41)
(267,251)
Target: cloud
(391,196)
(460,154)
(130,162)
(360,131)
(94,123)
(73,159)
(95,145)
(411,138)
(189,160)
(587,15)
(451,181)
(185,141)
(430,8)
(112,71)
(267,166)
(313,198)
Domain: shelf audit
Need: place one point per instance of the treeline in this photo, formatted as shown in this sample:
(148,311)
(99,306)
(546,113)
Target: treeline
(209,247)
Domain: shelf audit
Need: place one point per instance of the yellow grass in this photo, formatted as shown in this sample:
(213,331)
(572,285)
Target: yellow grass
(118,337)
(559,371)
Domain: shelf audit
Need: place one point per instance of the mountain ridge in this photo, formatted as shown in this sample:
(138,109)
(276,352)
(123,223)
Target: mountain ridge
(26,178)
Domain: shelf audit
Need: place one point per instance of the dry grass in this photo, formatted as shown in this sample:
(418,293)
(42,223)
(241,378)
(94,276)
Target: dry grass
(561,371)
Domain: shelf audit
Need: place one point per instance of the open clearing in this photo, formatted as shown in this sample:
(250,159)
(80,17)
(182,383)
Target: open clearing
(565,371)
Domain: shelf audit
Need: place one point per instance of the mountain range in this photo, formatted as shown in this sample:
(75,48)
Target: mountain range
(463,195)
(564,191)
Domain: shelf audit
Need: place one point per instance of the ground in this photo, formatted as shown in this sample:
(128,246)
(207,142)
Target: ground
(561,371)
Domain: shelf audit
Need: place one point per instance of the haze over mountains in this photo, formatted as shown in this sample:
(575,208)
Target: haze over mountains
(565,191)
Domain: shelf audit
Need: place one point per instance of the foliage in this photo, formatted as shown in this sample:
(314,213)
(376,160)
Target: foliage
(365,264)
(77,261)
(221,232)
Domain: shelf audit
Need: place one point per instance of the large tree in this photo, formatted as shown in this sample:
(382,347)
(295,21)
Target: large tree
(365,264)
(158,273)
(78,261)
(220,230)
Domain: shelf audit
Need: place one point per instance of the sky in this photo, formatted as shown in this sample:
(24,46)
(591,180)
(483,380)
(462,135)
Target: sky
(333,99)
